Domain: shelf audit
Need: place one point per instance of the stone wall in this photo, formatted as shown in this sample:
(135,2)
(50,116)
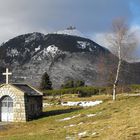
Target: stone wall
(19,114)
(33,106)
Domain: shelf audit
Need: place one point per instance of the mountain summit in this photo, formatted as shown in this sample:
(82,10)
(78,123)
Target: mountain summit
(70,31)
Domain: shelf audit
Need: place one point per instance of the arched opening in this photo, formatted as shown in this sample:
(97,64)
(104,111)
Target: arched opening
(6,109)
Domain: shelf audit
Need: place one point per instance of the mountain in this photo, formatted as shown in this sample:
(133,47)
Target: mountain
(64,56)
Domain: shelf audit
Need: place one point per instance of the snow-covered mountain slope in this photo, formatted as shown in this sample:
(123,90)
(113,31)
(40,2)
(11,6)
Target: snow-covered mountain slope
(22,48)
(63,56)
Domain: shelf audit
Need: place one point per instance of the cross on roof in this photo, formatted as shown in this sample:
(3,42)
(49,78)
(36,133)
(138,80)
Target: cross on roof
(7,73)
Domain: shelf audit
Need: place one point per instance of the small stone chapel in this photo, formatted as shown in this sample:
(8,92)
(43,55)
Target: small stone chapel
(19,102)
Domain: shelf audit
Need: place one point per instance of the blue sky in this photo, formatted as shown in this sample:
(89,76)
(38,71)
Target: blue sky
(91,17)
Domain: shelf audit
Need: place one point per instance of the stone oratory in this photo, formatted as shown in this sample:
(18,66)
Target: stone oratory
(19,102)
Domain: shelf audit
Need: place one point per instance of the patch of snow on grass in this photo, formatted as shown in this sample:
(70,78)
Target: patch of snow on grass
(71,125)
(82,134)
(46,104)
(82,103)
(65,119)
(70,138)
(80,123)
(94,133)
(91,115)
(69,118)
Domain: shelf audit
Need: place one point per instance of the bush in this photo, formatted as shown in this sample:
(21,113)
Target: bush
(79,83)
(81,91)
(89,91)
(68,84)
(73,84)
(135,88)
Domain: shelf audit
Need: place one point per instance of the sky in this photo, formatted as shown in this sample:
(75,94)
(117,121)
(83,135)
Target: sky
(91,17)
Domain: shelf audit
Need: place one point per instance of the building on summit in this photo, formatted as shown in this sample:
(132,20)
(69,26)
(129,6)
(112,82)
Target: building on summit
(19,102)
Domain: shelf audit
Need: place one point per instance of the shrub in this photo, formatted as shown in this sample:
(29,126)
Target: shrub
(73,83)
(68,84)
(135,88)
(79,83)
(81,91)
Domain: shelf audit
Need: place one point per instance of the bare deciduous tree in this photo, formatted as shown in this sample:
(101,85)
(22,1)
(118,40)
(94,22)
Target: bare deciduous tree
(122,42)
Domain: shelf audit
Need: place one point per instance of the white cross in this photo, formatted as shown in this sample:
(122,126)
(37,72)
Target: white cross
(7,73)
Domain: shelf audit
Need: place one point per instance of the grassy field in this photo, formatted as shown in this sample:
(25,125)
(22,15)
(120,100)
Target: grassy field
(119,120)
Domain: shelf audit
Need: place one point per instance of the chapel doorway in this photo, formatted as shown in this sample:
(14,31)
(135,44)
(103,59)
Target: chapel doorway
(6,109)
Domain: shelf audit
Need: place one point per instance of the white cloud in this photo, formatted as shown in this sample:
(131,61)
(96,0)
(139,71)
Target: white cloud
(21,16)
(136,30)
(101,39)
(10,28)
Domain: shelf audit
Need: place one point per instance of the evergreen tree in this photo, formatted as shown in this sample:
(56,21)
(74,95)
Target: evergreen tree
(46,84)
(79,83)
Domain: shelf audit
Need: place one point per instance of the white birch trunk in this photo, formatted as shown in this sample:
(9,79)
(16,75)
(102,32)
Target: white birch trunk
(117,73)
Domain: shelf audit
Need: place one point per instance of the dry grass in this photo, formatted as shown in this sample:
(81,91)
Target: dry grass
(119,120)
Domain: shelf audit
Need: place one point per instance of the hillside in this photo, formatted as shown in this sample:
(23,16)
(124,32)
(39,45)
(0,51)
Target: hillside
(117,120)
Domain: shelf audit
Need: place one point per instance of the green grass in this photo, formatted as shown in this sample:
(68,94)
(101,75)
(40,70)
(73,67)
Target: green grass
(119,120)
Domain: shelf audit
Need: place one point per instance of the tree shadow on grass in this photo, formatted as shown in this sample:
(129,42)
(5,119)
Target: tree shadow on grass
(58,112)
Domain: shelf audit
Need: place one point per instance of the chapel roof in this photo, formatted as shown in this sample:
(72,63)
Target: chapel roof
(28,90)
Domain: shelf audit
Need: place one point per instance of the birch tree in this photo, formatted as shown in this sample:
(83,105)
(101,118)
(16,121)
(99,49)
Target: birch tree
(122,42)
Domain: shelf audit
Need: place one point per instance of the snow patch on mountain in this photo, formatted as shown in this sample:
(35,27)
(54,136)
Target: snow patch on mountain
(12,52)
(38,48)
(44,52)
(33,36)
(90,49)
(27,50)
(83,44)
(52,49)
(50,52)
(39,58)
